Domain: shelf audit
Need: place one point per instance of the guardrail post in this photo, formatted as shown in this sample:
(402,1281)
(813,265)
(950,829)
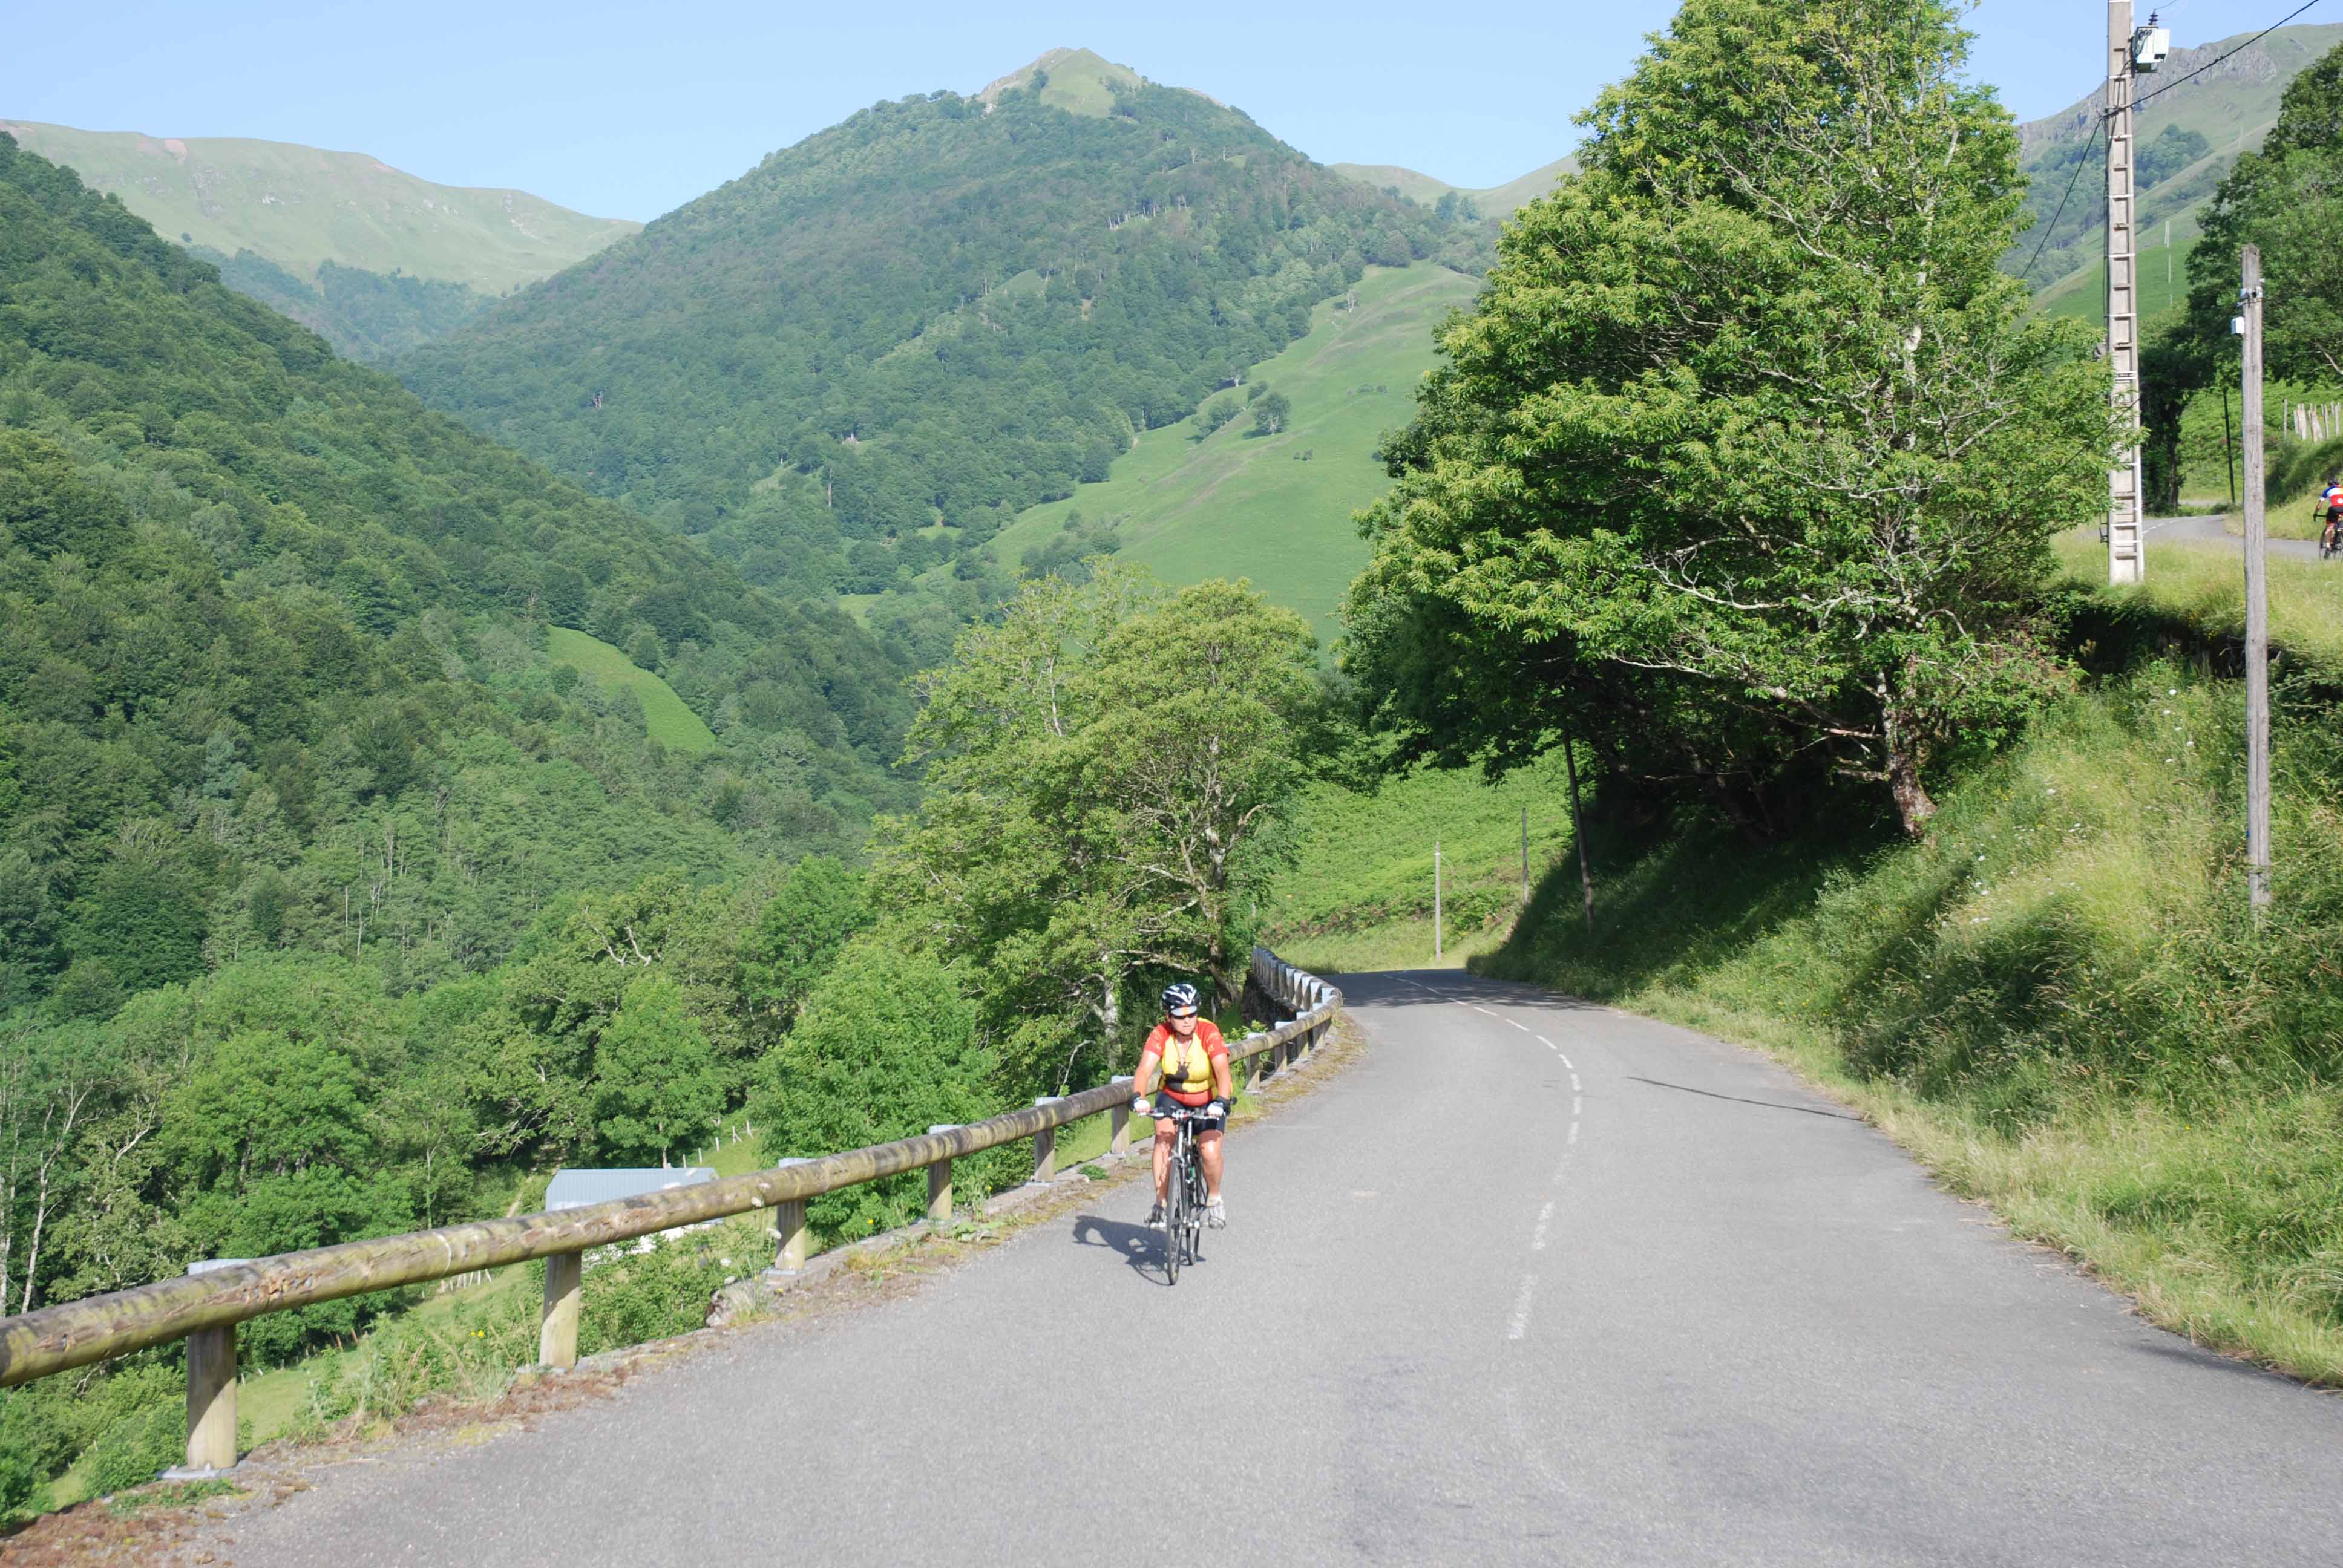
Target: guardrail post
(1118,1119)
(1045,1143)
(939,1196)
(211,1400)
(1252,1071)
(564,1300)
(789,1227)
(211,1393)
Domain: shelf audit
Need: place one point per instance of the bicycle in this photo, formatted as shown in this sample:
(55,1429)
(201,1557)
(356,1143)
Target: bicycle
(1184,1197)
(2330,537)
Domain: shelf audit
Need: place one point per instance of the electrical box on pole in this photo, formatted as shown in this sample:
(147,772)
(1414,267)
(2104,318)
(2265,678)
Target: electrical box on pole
(2126,550)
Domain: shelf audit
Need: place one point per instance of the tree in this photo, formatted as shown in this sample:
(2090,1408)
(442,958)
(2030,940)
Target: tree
(656,1085)
(1272,413)
(1099,766)
(818,910)
(1748,447)
(142,915)
(1202,735)
(2286,196)
(886,1049)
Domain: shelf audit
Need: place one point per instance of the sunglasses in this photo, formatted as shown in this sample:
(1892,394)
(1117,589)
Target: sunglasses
(1178,1017)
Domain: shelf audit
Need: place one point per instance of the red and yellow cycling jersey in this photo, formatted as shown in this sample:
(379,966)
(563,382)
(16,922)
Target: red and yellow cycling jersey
(1187,1063)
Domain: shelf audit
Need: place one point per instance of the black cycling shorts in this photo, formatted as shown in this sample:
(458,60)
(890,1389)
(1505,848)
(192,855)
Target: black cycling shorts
(1165,1105)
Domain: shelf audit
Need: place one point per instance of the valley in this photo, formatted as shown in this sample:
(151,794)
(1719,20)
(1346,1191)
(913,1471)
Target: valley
(485,689)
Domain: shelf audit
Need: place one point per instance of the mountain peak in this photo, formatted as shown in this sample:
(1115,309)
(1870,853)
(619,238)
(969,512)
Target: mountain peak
(1075,80)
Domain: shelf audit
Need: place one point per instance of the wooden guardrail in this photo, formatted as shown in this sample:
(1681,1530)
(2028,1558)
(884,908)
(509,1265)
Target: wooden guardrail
(204,1308)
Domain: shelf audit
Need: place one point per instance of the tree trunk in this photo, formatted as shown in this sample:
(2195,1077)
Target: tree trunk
(1913,805)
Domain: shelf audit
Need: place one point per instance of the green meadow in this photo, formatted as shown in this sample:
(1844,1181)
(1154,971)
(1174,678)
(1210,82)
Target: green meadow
(668,720)
(1276,508)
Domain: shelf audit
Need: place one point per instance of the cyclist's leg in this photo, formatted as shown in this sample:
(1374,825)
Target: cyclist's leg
(1208,1154)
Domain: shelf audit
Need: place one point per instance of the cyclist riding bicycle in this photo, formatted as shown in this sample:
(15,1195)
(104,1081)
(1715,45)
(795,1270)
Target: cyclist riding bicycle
(2330,505)
(1195,1062)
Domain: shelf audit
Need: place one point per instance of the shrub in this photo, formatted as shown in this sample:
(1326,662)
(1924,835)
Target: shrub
(885,1048)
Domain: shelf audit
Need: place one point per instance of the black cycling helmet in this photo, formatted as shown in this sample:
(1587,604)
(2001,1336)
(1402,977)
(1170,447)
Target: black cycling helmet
(1180,994)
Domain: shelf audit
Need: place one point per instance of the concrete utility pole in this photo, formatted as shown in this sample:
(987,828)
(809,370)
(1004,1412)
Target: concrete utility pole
(2258,778)
(2126,561)
(1525,855)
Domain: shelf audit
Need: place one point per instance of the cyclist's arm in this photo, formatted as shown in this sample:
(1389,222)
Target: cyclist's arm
(1147,1060)
(1222,1083)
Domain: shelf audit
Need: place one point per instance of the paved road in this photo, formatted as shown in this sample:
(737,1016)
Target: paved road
(1532,1283)
(2211,531)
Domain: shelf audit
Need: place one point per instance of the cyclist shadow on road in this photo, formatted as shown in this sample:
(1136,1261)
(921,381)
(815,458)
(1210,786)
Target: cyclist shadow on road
(1142,1247)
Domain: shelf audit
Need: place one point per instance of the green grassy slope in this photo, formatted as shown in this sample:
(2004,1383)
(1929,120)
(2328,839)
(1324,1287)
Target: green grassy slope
(1495,201)
(1358,895)
(2163,277)
(1241,504)
(1080,82)
(301,207)
(2232,106)
(667,719)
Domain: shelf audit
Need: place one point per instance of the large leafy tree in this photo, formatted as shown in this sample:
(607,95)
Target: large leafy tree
(1100,766)
(1748,458)
(2286,196)
(656,1087)
(887,1048)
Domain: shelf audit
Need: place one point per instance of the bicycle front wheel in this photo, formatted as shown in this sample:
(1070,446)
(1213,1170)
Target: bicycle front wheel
(1175,1223)
(1195,1174)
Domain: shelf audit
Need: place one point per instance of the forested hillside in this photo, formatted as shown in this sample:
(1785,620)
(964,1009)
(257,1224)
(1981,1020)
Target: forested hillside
(2188,139)
(370,258)
(271,649)
(861,359)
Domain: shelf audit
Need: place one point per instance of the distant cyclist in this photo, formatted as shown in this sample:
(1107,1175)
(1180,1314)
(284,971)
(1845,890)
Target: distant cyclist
(1195,1062)
(2331,505)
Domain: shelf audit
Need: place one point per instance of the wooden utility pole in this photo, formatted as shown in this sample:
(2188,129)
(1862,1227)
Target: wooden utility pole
(1525,855)
(2257,779)
(1436,901)
(2126,561)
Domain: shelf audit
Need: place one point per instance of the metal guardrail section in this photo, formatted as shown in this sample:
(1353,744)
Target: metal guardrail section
(204,1308)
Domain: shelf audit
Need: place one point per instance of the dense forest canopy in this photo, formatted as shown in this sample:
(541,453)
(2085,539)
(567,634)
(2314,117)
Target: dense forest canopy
(855,362)
(271,648)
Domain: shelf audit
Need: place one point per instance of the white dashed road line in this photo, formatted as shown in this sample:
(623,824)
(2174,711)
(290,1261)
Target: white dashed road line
(1521,1323)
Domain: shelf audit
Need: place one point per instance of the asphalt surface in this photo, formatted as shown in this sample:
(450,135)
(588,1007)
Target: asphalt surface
(2211,531)
(1533,1281)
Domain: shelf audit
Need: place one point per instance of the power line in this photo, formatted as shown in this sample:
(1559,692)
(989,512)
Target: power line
(2208,64)
(2052,226)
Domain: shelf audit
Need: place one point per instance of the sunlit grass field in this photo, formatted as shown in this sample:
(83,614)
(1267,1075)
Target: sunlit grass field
(1239,504)
(1358,895)
(670,723)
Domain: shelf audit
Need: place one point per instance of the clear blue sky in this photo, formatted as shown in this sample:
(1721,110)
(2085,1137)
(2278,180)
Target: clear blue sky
(629,110)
